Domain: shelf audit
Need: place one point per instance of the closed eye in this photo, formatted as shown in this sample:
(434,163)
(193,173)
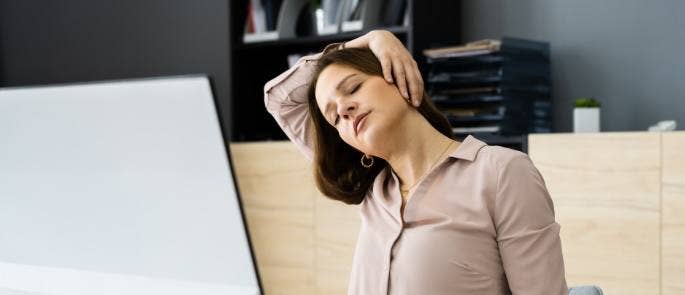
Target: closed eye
(356,87)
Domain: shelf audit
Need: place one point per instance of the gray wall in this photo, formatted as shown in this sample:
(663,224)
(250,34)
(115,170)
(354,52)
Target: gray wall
(45,42)
(629,54)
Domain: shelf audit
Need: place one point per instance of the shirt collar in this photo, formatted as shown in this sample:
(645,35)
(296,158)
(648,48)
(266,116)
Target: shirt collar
(468,149)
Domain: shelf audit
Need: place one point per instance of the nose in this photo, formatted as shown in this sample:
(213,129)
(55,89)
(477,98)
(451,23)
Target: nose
(347,109)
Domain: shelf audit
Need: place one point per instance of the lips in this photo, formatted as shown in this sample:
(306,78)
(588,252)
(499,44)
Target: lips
(358,120)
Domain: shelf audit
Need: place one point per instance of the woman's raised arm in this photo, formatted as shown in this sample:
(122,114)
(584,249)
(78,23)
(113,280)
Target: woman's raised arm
(285,98)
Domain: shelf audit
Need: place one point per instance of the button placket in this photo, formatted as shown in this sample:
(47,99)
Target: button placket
(387,262)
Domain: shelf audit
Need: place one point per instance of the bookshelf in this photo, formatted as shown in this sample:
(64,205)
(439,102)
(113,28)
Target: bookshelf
(427,24)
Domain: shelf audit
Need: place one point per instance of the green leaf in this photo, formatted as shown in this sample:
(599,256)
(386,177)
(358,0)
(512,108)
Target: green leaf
(584,102)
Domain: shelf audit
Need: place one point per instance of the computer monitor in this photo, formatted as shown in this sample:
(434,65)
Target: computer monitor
(119,187)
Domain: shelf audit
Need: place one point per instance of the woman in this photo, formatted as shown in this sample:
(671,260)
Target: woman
(439,216)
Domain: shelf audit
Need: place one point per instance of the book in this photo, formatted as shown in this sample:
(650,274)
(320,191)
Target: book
(352,16)
(249,21)
(258,16)
(271,9)
(331,16)
(257,21)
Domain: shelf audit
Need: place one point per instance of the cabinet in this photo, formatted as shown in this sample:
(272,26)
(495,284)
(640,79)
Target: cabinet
(428,24)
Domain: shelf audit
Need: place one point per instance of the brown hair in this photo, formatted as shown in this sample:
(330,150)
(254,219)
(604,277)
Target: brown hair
(338,172)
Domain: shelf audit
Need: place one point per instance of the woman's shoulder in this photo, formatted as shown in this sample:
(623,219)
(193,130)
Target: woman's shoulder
(499,156)
(482,154)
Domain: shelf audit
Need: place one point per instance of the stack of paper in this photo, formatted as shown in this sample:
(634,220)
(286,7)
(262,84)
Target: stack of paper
(473,48)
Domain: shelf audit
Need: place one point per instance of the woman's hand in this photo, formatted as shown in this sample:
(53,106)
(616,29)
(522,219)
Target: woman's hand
(395,60)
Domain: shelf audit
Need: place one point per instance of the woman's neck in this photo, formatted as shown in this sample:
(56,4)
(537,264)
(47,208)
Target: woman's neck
(416,149)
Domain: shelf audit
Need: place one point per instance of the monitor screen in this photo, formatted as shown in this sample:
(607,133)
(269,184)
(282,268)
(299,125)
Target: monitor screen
(119,187)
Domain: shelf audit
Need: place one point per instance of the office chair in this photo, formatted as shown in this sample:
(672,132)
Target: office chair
(585,290)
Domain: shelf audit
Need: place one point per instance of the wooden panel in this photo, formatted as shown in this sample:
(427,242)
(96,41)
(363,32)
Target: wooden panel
(303,242)
(278,195)
(606,190)
(337,228)
(617,207)
(673,219)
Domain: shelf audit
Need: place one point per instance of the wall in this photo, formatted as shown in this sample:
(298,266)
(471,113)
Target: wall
(626,53)
(80,40)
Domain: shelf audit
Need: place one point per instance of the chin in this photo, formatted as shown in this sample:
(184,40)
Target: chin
(372,141)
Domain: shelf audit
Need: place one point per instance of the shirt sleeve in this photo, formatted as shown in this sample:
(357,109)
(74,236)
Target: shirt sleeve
(285,98)
(527,234)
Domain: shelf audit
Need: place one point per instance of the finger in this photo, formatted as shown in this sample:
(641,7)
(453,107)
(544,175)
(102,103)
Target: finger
(400,78)
(413,82)
(387,69)
(419,86)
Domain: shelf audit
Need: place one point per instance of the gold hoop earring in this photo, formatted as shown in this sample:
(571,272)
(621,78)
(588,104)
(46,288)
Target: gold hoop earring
(364,164)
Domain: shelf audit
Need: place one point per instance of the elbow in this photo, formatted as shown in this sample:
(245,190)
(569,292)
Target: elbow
(267,89)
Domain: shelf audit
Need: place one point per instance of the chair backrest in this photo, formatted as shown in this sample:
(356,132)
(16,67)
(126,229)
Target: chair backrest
(585,290)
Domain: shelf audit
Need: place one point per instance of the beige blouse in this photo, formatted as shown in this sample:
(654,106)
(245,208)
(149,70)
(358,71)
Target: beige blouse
(481,222)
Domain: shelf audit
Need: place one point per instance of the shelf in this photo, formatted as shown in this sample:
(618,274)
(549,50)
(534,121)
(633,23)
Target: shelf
(426,24)
(313,40)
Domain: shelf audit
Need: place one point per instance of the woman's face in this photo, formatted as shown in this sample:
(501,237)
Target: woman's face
(344,94)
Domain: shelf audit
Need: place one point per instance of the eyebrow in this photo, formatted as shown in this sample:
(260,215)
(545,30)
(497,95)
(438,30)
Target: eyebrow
(328,104)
